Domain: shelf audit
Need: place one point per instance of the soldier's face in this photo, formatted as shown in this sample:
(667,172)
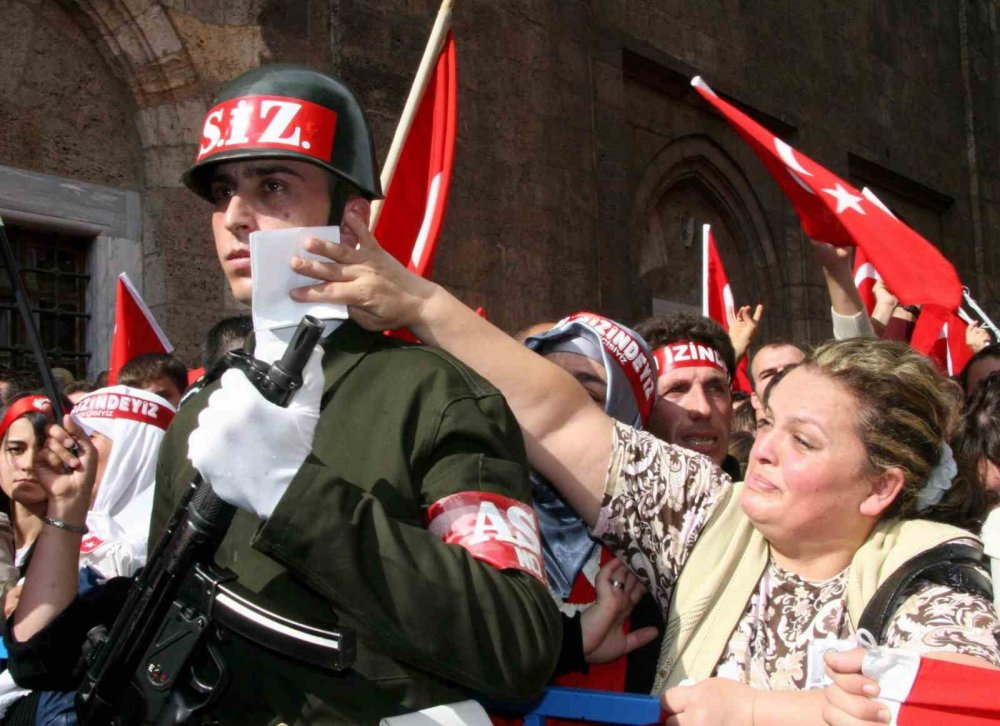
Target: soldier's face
(248,196)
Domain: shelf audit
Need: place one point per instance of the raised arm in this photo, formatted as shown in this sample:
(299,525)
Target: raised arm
(850,319)
(51,583)
(568,439)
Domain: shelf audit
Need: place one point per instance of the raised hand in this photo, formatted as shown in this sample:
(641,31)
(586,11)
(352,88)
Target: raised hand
(618,590)
(66,476)
(743,327)
(379,292)
(977,337)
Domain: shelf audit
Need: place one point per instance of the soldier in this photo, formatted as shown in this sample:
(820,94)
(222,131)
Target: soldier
(392,498)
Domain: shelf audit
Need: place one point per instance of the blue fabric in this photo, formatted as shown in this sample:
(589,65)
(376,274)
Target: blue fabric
(566,542)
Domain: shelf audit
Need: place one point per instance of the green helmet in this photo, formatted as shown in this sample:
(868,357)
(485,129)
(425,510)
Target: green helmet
(288,112)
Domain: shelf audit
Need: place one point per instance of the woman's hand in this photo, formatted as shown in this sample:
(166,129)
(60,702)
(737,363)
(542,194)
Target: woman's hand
(850,699)
(380,293)
(710,702)
(67,476)
(618,590)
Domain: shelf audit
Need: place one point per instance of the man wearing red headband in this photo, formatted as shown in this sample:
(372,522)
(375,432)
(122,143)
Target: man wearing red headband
(696,361)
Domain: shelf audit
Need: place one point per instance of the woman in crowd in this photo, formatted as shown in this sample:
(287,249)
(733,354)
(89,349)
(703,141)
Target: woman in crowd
(847,473)
(22,433)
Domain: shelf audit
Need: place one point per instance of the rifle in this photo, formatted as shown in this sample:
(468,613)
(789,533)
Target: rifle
(143,670)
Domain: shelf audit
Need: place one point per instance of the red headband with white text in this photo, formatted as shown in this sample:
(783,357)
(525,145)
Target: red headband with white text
(629,353)
(269,122)
(21,406)
(688,354)
(104,405)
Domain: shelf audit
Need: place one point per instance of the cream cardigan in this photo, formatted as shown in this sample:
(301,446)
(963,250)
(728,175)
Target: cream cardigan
(726,565)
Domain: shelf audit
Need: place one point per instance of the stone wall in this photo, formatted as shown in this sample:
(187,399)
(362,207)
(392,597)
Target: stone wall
(585,164)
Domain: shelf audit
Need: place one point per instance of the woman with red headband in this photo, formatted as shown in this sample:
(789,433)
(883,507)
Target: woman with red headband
(24,501)
(22,433)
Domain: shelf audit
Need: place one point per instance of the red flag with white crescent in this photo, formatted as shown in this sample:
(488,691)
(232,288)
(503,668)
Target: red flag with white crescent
(136,330)
(940,335)
(865,277)
(413,211)
(717,298)
(831,210)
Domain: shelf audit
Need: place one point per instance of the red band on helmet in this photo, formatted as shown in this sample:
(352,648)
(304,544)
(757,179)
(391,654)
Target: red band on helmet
(491,527)
(117,405)
(269,122)
(627,353)
(688,354)
(20,407)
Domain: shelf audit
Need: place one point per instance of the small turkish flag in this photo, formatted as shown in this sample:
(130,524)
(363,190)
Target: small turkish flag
(415,199)
(940,335)
(833,211)
(931,692)
(717,298)
(136,331)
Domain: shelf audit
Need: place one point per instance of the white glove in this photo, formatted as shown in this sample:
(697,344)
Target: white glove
(250,449)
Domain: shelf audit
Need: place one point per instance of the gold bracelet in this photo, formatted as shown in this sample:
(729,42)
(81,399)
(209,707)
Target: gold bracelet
(59,524)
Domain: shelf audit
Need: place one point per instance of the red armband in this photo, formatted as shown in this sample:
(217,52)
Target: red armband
(491,527)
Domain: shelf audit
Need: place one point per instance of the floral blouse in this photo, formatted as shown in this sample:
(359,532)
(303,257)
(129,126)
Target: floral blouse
(655,507)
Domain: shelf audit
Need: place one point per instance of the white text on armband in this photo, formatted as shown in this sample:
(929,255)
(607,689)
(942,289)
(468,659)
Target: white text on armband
(493,528)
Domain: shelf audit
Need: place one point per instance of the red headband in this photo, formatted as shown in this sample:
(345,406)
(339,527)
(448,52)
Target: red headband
(20,407)
(629,354)
(120,405)
(269,122)
(688,354)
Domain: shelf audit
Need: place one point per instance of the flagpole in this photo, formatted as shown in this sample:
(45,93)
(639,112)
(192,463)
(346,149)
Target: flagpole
(434,44)
(705,231)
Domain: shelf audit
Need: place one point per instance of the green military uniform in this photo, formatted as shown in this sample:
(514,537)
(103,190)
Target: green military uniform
(401,427)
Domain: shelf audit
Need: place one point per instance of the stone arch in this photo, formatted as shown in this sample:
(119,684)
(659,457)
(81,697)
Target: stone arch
(139,40)
(695,173)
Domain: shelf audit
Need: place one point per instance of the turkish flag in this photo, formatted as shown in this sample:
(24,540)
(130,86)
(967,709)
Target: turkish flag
(940,335)
(717,298)
(831,210)
(136,331)
(410,219)
(930,692)
(865,277)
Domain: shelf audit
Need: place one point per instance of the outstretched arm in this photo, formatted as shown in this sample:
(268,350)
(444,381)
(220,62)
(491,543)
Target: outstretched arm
(568,438)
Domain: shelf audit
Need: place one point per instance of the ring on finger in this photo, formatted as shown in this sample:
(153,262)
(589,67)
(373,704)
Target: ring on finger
(618,584)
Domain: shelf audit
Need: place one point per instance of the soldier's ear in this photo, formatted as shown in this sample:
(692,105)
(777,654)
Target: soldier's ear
(359,206)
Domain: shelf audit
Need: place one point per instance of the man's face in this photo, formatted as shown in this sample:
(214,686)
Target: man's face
(262,195)
(694,409)
(769,362)
(589,373)
(164,387)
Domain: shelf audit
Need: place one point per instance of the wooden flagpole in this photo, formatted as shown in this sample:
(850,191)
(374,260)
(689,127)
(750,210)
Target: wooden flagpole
(438,34)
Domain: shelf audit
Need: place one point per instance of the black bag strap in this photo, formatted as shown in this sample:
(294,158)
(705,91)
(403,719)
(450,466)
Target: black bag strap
(959,566)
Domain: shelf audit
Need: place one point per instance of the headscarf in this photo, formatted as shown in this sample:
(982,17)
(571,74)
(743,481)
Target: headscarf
(135,421)
(631,374)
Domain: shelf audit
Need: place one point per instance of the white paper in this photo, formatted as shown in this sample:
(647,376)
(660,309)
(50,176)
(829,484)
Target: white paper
(271,254)
(463,713)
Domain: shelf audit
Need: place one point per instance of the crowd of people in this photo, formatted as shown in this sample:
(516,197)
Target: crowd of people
(587,503)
